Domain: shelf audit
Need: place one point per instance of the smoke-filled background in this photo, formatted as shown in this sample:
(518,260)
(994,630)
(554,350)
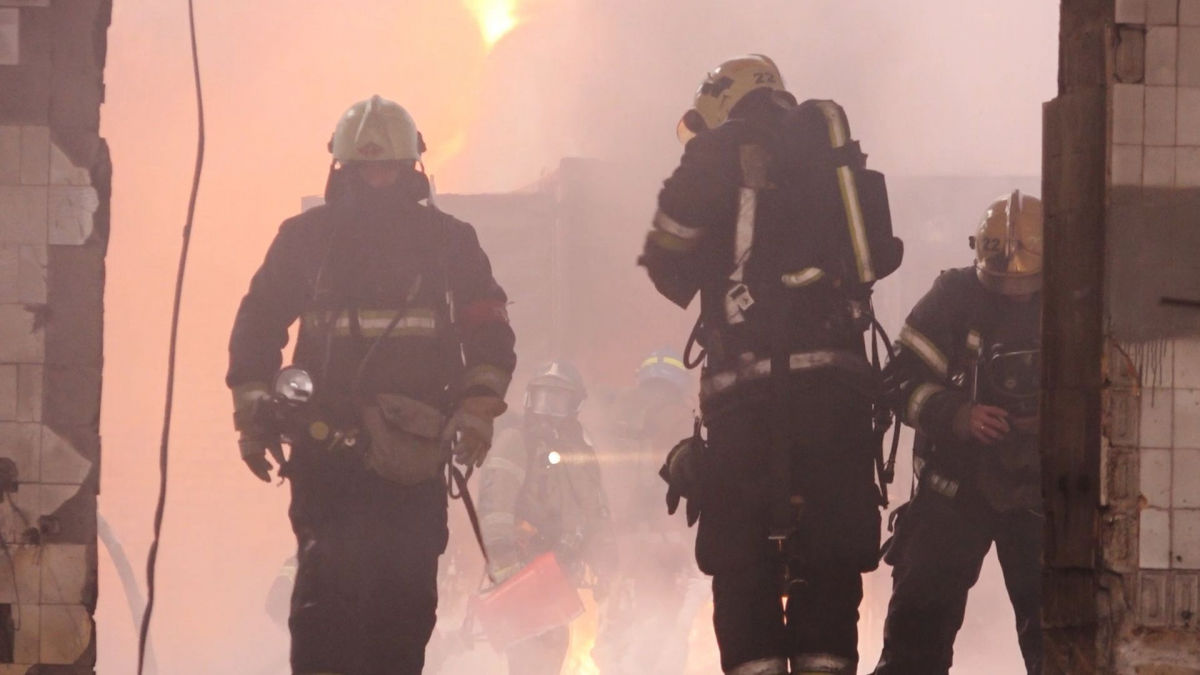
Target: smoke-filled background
(503,90)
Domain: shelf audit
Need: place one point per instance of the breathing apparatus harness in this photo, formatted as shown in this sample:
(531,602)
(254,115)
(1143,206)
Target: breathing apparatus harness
(455,479)
(871,252)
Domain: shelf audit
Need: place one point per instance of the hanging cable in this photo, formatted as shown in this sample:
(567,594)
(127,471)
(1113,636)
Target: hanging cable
(152,556)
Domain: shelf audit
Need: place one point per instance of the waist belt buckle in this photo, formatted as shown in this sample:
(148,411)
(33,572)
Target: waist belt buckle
(737,301)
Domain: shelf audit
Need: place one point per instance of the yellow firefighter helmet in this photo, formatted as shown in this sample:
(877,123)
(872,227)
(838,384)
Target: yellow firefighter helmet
(375,130)
(723,88)
(1008,245)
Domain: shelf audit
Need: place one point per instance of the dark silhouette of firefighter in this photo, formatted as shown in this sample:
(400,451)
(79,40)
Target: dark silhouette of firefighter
(541,493)
(405,340)
(647,617)
(774,220)
(966,377)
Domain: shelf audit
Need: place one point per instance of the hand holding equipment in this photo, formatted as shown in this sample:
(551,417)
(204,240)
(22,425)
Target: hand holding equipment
(468,432)
(683,471)
(253,419)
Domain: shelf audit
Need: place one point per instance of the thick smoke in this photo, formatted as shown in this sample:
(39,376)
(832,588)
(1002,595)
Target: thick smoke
(931,88)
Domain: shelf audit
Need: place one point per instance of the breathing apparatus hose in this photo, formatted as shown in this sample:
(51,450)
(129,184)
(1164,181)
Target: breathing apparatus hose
(885,468)
(152,555)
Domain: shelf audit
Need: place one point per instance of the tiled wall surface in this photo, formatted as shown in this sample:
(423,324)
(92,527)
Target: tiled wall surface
(53,230)
(1156,112)
(1155,146)
(44,201)
(1167,437)
(1169,447)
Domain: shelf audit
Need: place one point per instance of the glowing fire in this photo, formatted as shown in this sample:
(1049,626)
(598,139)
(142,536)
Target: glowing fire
(495,18)
(583,638)
(444,151)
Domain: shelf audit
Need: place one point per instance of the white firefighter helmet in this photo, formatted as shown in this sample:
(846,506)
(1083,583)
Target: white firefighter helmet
(374,130)
(556,391)
(1008,245)
(724,88)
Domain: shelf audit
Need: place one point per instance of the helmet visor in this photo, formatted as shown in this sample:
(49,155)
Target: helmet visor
(550,401)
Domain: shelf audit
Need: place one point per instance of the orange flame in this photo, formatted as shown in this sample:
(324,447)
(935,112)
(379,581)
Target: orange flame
(583,638)
(495,18)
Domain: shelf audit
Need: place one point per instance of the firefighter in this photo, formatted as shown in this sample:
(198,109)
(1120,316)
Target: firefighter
(540,491)
(646,620)
(659,407)
(784,490)
(405,333)
(965,376)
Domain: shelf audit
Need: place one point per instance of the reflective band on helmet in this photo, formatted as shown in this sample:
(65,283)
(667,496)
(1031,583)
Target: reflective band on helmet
(820,663)
(767,666)
(665,223)
(798,362)
(838,136)
(669,360)
(803,278)
(489,377)
(926,349)
(916,402)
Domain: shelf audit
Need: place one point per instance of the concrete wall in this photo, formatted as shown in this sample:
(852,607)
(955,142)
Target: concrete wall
(54,194)
(1122,475)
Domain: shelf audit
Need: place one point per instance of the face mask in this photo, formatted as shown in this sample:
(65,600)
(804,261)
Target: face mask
(549,401)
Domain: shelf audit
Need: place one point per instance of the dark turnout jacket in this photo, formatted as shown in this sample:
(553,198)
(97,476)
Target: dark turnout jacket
(743,208)
(941,359)
(351,273)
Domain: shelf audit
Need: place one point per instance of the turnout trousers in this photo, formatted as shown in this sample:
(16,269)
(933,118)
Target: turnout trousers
(831,452)
(365,598)
(936,556)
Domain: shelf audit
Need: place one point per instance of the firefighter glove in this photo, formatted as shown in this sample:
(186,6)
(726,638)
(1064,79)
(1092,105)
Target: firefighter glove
(254,450)
(682,471)
(253,419)
(468,432)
